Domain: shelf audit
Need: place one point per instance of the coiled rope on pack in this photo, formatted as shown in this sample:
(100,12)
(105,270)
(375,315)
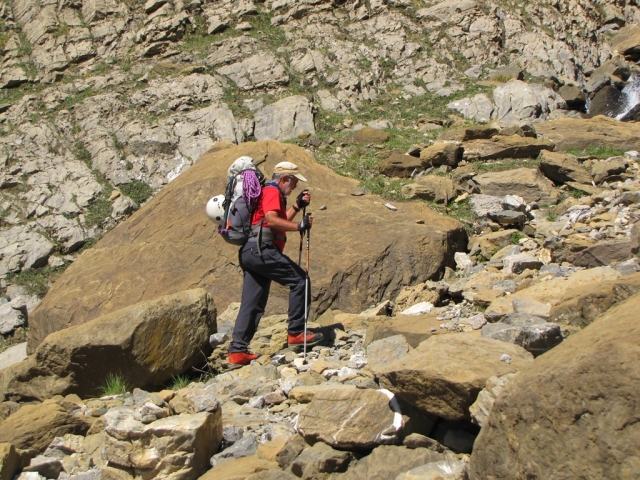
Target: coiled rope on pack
(251,189)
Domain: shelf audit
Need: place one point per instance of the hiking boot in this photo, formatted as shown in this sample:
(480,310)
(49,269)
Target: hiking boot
(297,340)
(239,359)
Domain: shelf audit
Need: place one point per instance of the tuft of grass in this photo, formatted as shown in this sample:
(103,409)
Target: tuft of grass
(114,384)
(508,164)
(516,237)
(599,152)
(552,215)
(137,191)
(81,153)
(179,382)
(578,193)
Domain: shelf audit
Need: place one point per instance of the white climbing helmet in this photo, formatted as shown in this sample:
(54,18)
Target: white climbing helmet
(215,208)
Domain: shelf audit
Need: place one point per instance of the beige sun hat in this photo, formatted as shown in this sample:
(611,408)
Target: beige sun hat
(288,168)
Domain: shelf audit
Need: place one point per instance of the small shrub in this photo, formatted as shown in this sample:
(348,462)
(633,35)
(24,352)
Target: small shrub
(137,191)
(97,212)
(81,153)
(516,237)
(114,384)
(552,215)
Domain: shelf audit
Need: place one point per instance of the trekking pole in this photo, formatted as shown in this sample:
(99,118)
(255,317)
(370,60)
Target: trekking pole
(304,209)
(306,298)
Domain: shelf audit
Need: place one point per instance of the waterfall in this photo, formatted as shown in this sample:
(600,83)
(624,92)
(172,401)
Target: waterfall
(631,94)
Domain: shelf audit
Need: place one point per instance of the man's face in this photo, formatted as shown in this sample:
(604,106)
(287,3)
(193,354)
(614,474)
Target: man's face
(288,184)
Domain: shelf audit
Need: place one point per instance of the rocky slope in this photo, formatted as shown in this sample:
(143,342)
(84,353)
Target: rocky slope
(489,112)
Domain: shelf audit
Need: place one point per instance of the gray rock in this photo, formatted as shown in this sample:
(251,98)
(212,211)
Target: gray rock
(515,203)
(517,101)
(532,333)
(12,316)
(481,408)
(12,355)
(45,466)
(508,217)
(22,248)
(520,262)
(122,207)
(478,108)
(382,352)
(261,70)
(481,205)
(244,447)
(285,119)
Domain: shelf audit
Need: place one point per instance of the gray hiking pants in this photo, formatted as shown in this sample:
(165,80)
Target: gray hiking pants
(259,271)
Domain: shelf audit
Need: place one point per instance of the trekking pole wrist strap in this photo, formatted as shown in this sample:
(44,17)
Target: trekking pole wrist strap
(295,207)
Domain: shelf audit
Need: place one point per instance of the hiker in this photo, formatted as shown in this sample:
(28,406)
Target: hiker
(262,261)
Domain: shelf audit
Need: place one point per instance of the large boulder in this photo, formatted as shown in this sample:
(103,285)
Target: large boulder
(505,146)
(598,131)
(170,245)
(146,344)
(573,413)
(351,419)
(563,168)
(444,375)
(608,101)
(525,182)
(284,119)
(519,102)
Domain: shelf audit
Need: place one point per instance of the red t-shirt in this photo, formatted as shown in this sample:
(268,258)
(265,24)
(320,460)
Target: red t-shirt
(271,200)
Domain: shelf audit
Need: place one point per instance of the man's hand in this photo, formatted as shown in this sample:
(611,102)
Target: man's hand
(305,223)
(304,198)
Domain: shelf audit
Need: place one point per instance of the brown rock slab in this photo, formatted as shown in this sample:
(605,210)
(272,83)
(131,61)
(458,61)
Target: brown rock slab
(33,427)
(513,146)
(444,375)
(431,187)
(598,131)
(170,245)
(441,153)
(352,420)
(469,133)
(320,459)
(627,40)
(399,165)
(605,168)
(370,135)
(573,412)
(563,168)
(305,394)
(601,254)
(525,182)
(146,344)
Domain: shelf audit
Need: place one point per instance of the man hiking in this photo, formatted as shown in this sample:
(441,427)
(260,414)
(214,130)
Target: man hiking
(262,261)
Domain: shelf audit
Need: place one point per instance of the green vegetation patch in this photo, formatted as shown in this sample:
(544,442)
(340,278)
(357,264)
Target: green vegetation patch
(37,281)
(270,35)
(507,164)
(599,152)
(179,382)
(137,191)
